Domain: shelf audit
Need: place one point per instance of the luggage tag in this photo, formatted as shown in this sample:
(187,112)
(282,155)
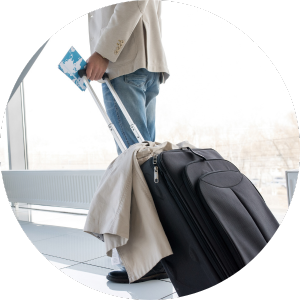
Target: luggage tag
(71,64)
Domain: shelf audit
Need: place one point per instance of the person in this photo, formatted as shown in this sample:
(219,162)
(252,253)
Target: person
(126,43)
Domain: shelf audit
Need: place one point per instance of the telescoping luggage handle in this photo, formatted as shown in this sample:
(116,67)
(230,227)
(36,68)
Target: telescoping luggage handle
(111,126)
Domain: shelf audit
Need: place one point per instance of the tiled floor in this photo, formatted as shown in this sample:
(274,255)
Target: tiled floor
(60,238)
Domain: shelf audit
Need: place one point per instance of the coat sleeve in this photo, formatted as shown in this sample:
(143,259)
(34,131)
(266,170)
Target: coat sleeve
(119,29)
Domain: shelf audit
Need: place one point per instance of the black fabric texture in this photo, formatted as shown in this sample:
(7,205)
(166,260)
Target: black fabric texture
(188,268)
(214,218)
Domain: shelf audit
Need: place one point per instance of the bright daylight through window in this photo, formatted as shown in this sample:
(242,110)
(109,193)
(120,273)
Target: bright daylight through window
(225,94)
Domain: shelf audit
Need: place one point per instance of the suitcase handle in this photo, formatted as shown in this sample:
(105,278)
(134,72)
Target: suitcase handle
(200,155)
(82,73)
(133,127)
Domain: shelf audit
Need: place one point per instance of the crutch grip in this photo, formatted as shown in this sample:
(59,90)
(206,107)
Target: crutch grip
(82,73)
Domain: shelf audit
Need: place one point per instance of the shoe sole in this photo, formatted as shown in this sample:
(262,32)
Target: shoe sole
(152,277)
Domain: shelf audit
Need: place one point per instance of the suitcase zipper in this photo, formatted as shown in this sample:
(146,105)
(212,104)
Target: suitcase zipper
(189,218)
(156,178)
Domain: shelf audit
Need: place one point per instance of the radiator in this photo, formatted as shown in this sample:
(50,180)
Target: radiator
(72,189)
(291,181)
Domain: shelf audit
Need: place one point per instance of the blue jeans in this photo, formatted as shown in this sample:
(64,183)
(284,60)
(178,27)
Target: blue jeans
(138,91)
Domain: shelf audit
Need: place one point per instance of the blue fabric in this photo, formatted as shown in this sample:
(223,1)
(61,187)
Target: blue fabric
(138,91)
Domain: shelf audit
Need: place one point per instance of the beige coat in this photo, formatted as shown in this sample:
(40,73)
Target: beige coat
(122,211)
(129,35)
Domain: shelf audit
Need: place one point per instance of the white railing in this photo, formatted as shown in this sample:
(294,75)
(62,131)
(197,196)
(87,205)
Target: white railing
(72,189)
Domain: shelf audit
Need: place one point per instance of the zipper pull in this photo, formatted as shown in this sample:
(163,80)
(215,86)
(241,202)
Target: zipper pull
(156,179)
(155,159)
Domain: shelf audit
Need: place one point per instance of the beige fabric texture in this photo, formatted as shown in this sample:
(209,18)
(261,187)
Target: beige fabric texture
(123,212)
(128,34)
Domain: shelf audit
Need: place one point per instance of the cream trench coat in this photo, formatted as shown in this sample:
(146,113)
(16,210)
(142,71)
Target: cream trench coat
(129,35)
(123,215)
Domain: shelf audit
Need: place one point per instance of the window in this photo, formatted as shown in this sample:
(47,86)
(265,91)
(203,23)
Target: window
(64,126)
(3,144)
(224,93)
(228,96)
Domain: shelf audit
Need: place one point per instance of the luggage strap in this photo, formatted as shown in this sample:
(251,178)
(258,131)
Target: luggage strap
(200,155)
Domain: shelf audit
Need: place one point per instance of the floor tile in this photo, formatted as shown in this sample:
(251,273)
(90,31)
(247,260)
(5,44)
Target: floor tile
(60,262)
(22,223)
(167,280)
(78,246)
(95,278)
(104,261)
(172,296)
(36,232)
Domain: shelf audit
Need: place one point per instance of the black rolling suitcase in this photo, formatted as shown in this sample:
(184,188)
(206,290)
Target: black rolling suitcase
(214,218)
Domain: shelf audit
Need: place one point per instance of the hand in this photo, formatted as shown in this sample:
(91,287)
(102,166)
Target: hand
(96,66)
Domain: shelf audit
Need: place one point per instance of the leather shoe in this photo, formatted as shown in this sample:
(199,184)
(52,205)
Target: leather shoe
(158,272)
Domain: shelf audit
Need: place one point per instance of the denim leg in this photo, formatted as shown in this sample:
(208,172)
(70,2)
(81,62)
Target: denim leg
(151,93)
(137,92)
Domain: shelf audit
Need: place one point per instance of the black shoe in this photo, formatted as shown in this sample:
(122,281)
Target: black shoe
(158,272)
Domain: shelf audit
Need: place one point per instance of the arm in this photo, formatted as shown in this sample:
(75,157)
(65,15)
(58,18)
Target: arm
(115,36)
